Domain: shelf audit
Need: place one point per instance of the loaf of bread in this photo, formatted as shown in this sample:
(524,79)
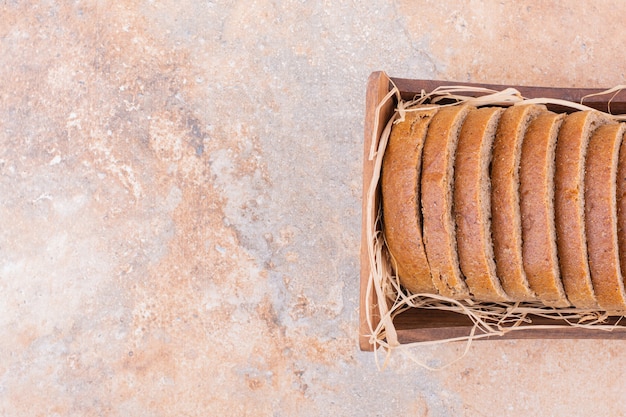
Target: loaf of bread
(506,219)
(539,249)
(401,200)
(515,204)
(437,200)
(472,204)
(571,151)
(601,216)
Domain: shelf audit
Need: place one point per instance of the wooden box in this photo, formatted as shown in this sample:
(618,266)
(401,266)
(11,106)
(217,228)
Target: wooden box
(415,324)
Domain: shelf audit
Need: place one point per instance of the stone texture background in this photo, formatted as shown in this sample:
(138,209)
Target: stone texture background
(180,187)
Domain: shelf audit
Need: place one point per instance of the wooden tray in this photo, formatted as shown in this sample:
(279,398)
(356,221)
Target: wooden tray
(421,325)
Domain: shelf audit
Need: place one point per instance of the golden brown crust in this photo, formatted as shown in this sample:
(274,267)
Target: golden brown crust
(601,216)
(400,196)
(437,185)
(506,221)
(571,151)
(472,204)
(539,249)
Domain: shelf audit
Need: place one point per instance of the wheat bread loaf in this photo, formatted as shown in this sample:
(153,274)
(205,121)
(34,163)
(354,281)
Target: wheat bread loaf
(437,200)
(472,204)
(401,200)
(601,216)
(539,248)
(571,150)
(506,220)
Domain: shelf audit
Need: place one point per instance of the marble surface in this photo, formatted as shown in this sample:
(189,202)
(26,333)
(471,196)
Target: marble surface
(180,188)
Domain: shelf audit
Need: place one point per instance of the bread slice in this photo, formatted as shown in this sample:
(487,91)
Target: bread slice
(472,204)
(506,222)
(539,249)
(601,216)
(621,204)
(401,202)
(571,150)
(437,200)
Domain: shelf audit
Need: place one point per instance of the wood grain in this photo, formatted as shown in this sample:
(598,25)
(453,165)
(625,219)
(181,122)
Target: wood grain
(377,89)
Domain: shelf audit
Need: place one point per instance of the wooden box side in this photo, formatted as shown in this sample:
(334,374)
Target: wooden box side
(377,88)
(416,325)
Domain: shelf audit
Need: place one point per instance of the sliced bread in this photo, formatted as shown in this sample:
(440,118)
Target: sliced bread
(437,200)
(472,204)
(506,220)
(401,202)
(621,204)
(539,249)
(601,216)
(571,150)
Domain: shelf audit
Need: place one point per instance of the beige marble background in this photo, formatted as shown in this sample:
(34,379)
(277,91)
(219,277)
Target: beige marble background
(180,187)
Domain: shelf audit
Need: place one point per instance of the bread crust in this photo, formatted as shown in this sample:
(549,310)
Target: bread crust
(472,204)
(539,248)
(506,220)
(571,152)
(401,171)
(437,200)
(601,216)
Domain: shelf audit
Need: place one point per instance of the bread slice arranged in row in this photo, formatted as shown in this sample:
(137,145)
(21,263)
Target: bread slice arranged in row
(401,182)
(437,201)
(514,204)
(601,216)
(539,247)
(505,192)
(571,150)
(472,204)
